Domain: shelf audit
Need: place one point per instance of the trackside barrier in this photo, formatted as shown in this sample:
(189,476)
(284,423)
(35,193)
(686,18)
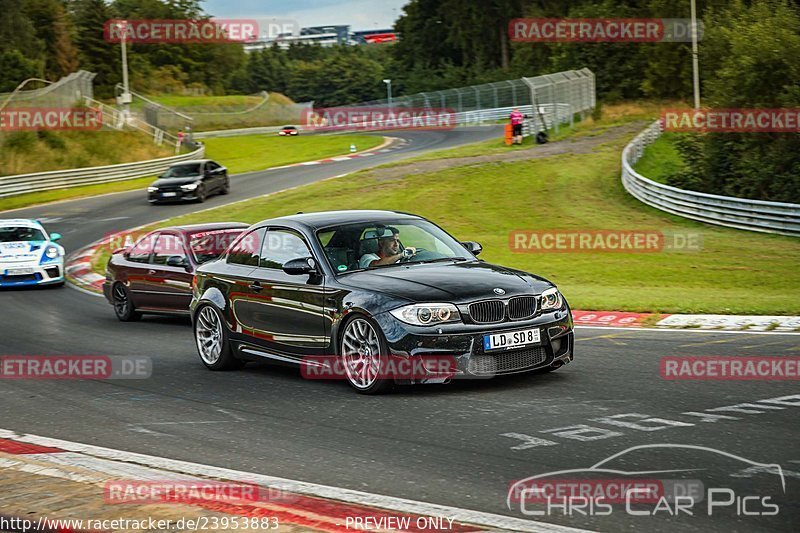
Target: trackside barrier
(740,213)
(60,179)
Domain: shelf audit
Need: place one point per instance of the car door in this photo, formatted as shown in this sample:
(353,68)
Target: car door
(240,260)
(170,285)
(287,311)
(136,268)
(215,177)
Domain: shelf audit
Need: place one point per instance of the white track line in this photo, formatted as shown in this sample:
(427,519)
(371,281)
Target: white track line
(464,516)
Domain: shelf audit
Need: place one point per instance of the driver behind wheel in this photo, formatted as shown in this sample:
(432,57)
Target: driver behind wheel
(389,248)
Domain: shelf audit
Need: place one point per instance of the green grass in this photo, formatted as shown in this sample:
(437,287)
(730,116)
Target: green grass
(735,272)
(24,152)
(192,101)
(256,152)
(660,159)
(43,197)
(239,154)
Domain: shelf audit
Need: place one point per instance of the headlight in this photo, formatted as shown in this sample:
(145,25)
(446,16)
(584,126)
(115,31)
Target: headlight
(426,314)
(551,299)
(51,252)
(152,189)
(189,187)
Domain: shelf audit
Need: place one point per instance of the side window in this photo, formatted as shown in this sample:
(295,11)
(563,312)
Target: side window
(246,251)
(141,251)
(281,246)
(166,246)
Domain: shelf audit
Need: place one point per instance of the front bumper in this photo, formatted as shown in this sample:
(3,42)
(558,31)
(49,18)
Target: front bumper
(179,196)
(49,273)
(462,344)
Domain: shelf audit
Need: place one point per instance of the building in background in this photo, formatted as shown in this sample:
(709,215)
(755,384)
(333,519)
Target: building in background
(325,36)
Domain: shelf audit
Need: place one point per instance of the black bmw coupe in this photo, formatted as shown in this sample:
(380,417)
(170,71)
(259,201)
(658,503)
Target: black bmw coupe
(374,298)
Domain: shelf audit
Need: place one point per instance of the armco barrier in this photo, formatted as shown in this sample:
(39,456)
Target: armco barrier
(59,179)
(740,213)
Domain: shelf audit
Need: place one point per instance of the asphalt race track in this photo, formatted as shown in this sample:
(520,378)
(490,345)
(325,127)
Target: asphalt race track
(460,445)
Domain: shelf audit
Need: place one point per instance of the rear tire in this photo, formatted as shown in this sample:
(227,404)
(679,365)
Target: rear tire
(211,339)
(123,305)
(226,188)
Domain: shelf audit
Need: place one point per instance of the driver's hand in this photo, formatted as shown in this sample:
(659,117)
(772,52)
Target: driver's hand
(409,252)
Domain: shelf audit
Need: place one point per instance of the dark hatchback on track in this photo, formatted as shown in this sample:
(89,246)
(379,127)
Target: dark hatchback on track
(357,288)
(155,274)
(190,180)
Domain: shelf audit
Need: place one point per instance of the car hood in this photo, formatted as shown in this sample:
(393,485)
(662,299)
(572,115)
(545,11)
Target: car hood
(174,181)
(449,282)
(20,251)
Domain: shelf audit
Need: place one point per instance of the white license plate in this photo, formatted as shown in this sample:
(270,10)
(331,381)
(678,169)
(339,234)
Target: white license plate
(511,339)
(19,271)
(168,194)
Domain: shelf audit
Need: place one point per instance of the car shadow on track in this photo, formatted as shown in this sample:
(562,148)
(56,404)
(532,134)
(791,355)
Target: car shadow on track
(287,373)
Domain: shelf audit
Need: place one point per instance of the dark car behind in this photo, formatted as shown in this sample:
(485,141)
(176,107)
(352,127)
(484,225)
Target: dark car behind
(155,274)
(190,180)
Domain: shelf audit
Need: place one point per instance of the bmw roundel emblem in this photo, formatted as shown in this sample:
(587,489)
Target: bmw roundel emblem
(498,291)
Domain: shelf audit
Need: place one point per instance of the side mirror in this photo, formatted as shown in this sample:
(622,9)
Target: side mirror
(473,247)
(55,236)
(300,266)
(177,261)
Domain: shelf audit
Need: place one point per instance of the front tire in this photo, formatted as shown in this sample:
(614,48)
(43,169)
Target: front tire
(123,305)
(363,350)
(211,339)
(201,194)
(226,188)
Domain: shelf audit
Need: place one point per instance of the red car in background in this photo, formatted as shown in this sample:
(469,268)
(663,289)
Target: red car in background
(155,274)
(288,130)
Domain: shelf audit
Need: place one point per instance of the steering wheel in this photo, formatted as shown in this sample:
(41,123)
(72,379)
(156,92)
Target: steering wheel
(407,258)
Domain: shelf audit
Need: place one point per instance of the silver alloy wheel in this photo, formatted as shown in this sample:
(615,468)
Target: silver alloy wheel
(208,334)
(121,301)
(361,353)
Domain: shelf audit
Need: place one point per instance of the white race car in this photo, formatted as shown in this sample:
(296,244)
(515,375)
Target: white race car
(28,255)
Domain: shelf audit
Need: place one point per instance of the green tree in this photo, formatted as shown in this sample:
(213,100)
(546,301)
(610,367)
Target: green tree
(94,52)
(54,28)
(750,59)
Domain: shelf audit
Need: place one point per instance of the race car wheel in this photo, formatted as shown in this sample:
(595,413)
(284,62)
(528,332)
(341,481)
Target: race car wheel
(123,306)
(211,338)
(363,351)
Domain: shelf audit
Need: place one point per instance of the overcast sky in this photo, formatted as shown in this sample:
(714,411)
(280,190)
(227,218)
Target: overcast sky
(359,14)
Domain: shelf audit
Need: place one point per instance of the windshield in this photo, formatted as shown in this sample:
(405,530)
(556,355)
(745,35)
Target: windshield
(21,233)
(370,245)
(183,171)
(209,245)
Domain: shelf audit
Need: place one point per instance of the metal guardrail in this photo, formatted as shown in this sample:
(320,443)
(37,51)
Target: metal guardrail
(740,213)
(59,179)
